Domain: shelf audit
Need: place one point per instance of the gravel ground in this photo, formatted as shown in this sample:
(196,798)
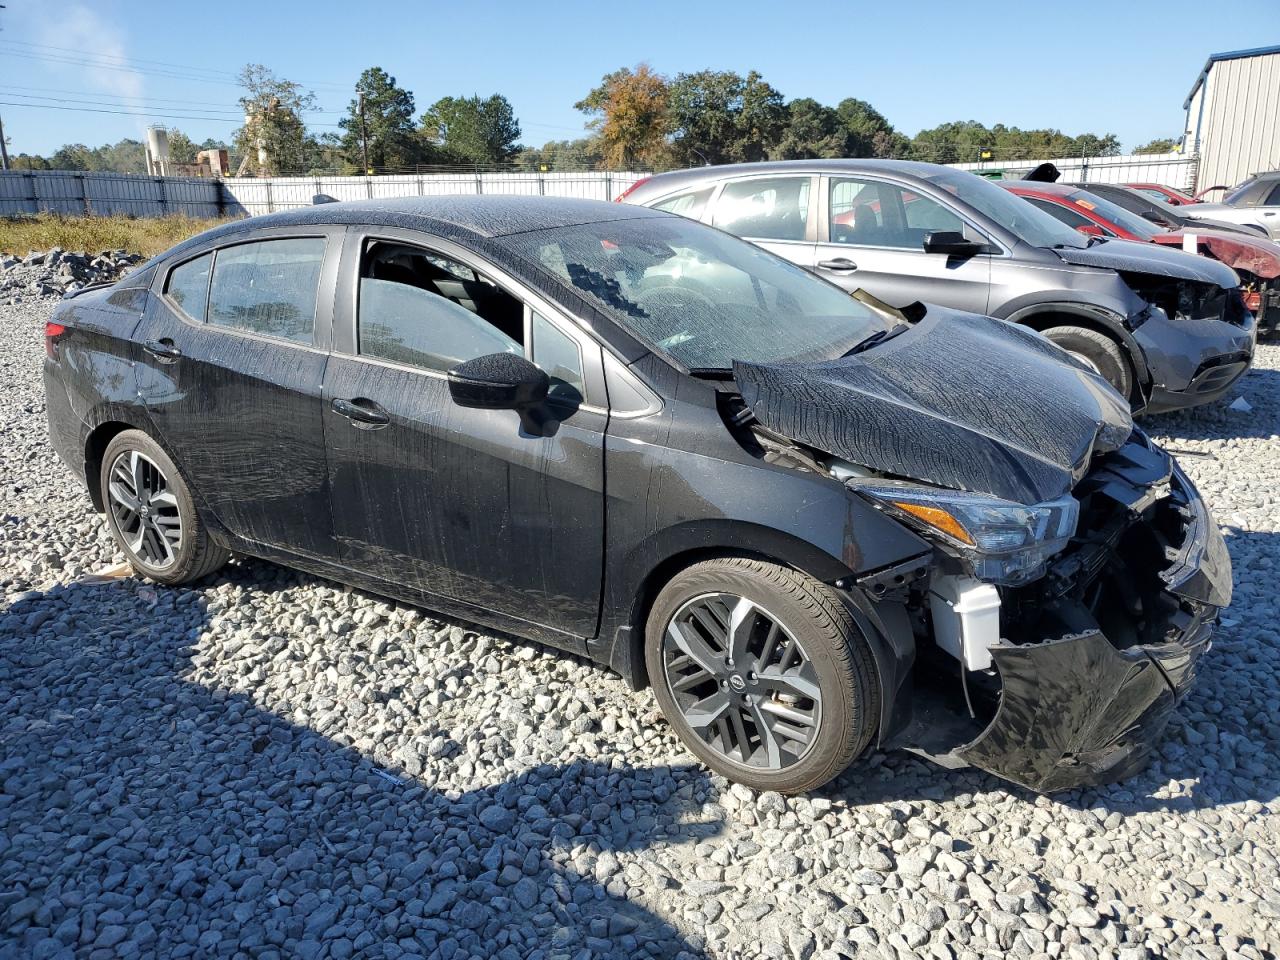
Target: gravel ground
(271,765)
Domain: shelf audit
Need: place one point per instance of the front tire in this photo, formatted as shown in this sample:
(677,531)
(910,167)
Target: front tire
(762,672)
(151,513)
(1098,352)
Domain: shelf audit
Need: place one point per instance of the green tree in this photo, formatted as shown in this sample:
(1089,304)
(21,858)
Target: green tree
(812,131)
(275,137)
(578,154)
(718,116)
(868,133)
(631,118)
(182,149)
(388,120)
(1159,145)
(473,129)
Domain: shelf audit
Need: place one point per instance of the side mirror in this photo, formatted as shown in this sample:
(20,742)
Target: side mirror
(498,381)
(1090,230)
(951,242)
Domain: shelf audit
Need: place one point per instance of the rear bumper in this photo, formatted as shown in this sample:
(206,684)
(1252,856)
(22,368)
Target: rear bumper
(1077,709)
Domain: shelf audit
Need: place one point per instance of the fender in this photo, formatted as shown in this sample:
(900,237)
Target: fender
(1114,324)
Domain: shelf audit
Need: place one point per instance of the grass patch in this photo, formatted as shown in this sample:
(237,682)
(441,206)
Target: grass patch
(145,235)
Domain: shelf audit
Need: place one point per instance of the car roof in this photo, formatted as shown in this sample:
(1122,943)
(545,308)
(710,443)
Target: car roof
(910,168)
(455,217)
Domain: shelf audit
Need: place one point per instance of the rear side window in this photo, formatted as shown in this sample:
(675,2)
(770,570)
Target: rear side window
(268,288)
(1273,199)
(188,286)
(775,208)
(688,205)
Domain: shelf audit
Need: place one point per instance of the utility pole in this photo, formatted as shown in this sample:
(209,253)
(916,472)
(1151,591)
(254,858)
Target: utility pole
(364,138)
(4,151)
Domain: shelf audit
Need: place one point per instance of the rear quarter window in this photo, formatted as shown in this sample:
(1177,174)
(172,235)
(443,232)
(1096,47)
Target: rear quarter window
(188,286)
(268,287)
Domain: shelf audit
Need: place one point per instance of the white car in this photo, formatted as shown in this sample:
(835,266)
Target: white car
(1254,202)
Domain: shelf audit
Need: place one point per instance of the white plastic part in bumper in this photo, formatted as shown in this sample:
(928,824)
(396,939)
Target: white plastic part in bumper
(966,619)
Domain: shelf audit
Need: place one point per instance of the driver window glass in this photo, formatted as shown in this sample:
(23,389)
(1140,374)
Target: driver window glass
(867,213)
(775,208)
(421,309)
(688,205)
(557,353)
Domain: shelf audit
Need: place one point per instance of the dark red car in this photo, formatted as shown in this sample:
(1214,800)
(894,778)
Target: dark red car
(1256,260)
(1169,195)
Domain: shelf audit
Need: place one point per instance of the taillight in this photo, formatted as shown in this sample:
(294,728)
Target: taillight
(1253,300)
(52,331)
(627,192)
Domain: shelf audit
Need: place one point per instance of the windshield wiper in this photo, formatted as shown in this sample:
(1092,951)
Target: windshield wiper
(1096,239)
(877,338)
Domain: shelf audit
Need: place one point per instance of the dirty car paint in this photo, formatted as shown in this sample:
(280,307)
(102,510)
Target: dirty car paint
(958,401)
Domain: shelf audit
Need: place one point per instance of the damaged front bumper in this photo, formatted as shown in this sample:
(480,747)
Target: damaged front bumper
(1086,701)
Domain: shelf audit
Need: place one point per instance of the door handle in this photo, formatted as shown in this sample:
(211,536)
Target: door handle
(163,350)
(361,412)
(839,263)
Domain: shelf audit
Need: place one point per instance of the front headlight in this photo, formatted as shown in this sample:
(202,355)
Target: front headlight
(1001,541)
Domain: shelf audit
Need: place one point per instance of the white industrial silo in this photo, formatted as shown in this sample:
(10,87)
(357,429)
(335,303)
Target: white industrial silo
(157,151)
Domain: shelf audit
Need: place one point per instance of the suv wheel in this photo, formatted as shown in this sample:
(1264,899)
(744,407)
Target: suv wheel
(1098,352)
(151,513)
(762,672)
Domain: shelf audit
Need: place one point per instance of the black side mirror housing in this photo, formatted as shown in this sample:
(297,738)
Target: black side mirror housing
(498,381)
(1153,217)
(951,242)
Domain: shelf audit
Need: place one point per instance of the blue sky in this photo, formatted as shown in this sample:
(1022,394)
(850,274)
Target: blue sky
(1122,67)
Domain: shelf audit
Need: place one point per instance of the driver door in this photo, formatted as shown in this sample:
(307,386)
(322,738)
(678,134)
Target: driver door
(466,505)
(871,236)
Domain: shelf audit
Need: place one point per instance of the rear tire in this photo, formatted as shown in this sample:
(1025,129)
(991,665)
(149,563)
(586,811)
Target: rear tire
(151,513)
(787,717)
(1099,352)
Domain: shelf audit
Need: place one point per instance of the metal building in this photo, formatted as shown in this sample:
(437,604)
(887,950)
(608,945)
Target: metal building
(1233,116)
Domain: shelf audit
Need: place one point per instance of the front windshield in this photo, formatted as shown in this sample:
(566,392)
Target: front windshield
(1125,219)
(1022,219)
(703,297)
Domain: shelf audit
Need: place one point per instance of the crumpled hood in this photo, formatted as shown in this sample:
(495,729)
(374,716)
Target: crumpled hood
(1239,252)
(959,400)
(1130,256)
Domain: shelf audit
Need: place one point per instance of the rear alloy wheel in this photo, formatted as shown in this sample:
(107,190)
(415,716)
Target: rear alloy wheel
(762,672)
(151,514)
(1098,352)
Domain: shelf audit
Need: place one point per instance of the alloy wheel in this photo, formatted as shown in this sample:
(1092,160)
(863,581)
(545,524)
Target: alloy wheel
(742,682)
(145,509)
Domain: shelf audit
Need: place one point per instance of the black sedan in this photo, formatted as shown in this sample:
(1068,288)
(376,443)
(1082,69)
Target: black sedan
(811,522)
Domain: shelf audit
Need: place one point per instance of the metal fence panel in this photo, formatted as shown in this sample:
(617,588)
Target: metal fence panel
(1170,169)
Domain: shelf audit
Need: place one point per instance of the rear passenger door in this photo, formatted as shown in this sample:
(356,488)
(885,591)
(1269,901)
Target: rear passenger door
(871,238)
(235,342)
(472,506)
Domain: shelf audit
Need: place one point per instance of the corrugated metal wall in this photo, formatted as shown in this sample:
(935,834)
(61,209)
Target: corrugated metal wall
(1239,126)
(1171,169)
(101,194)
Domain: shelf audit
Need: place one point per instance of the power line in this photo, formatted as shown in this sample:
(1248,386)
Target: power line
(137,113)
(113,62)
(141,103)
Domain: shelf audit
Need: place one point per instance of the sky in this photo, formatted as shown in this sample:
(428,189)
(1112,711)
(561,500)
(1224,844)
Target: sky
(1117,67)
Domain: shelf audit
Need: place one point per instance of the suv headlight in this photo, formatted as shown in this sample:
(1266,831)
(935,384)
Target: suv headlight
(1000,541)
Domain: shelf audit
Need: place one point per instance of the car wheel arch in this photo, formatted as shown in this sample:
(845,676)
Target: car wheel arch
(1040,319)
(107,426)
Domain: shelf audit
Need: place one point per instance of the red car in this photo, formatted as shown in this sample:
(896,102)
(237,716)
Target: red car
(1169,195)
(1256,260)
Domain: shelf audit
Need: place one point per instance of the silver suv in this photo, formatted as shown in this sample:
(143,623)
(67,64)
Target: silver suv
(1166,328)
